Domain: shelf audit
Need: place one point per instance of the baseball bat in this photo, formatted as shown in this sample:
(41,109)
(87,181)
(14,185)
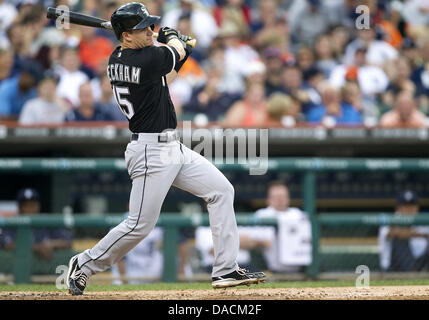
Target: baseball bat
(90,21)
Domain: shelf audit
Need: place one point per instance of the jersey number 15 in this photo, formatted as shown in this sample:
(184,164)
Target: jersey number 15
(125,105)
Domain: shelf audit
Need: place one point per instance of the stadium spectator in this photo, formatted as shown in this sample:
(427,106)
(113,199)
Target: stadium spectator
(191,74)
(378,52)
(421,74)
(47,107)
(99,73)
(20,37)
(256,72)
(310,95)
(273,60)
(287,249)
(209,99)
(404,248)
(238,55)
(324,51)
(305,58)
(35,22)
(235,12)
(311,20)
(217,58)
(16,91)
(294,85)
(50,40)
(107,101)
(340,37)
(203,23)
(71,78)
(321,35)
(372,79)
(415,12)
(399,72)
(143,264)
(352,95)
(8,13)
(332,110)
(6,64)
(88,110)
(93,49)
(106,11)
(45,240)
(275,35)
(404,113)
(411,52)
(251,111)
(282,110)
(267,12)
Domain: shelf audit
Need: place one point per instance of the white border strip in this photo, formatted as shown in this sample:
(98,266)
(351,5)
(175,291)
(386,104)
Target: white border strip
(174,57)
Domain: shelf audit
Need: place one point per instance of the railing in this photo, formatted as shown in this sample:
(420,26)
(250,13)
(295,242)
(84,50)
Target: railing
(309,167)
(171,223)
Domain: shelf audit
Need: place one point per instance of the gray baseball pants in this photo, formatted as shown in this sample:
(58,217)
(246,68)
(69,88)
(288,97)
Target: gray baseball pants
(154,167)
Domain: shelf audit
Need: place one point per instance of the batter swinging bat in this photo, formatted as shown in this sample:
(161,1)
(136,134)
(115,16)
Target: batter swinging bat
(90,21)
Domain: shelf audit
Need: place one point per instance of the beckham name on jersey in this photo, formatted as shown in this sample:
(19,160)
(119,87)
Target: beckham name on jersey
(123,73)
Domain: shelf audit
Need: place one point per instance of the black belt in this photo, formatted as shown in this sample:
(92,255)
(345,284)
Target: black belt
(162,137)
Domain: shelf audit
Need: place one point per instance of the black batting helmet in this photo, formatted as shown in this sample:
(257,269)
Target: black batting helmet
(132,16)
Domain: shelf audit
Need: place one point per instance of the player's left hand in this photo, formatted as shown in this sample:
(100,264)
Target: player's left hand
(165,34)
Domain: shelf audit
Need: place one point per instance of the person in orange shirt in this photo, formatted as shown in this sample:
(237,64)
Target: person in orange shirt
(93,49)
(251,111)
(404,113)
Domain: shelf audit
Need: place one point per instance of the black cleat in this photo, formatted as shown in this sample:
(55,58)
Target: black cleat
(237,278)
(76,279)
(258,276)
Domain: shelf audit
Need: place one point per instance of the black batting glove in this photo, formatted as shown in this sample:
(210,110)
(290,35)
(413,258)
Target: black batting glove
(165,34)
(184,38)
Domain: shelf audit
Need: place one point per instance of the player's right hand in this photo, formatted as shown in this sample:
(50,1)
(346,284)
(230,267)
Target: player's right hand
(165,34)
(184,38)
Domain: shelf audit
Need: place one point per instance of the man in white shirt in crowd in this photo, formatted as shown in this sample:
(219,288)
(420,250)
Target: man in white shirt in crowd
(378,51)
(71,78)
(286,249)
(372,79)
(47,107)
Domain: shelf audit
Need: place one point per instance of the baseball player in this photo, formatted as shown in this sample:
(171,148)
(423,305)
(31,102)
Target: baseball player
(139,73)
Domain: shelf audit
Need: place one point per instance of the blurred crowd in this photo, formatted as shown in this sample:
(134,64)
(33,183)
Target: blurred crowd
(256,63)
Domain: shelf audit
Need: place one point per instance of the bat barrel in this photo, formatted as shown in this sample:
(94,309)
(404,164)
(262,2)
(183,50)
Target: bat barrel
(53,13)
(78,18)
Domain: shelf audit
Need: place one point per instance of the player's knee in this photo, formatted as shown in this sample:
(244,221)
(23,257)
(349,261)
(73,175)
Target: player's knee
(227,191)
(139,229)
